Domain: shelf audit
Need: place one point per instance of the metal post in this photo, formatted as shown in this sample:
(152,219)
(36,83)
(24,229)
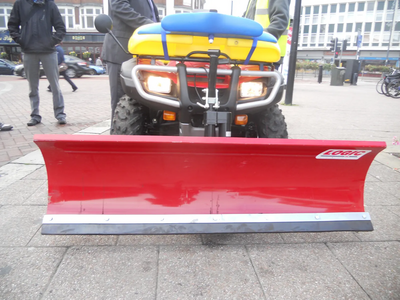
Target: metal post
(341,52)
(232,8)
(390,36)
(293,53)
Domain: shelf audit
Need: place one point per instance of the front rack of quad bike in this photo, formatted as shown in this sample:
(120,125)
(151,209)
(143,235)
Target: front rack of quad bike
(216,114)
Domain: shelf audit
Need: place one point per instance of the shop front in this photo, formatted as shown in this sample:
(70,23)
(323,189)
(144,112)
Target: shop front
(83,45)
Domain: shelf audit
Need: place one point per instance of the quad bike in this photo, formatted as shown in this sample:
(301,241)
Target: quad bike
(199,145)
(204,92)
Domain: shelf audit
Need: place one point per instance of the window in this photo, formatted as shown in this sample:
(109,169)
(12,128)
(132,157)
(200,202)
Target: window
(308,10)
(322,28)
(368,27)
(181,11)
(333,8)
(306,29)
(67,14)
(324,9)
(358,27)
(331,28)
(316,10)
(88,14)
(381,5)
(4,14)
(388,25)
(397,26)
(378,26)
(314,29)
(340,27)
(370,6)
(361,6)
(390,5)
(351,7)
(161,13)
(349,27)
(342,7)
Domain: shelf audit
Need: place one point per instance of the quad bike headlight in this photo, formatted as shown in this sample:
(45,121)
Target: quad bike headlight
(159,84)
(251,89)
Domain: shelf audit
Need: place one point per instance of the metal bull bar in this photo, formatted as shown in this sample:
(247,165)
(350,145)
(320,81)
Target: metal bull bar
(176,104)
(179,185)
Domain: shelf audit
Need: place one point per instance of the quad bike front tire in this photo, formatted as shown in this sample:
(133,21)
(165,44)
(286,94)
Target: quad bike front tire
(128,117)
(271,123)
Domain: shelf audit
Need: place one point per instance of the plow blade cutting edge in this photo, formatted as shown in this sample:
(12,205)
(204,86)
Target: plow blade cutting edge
(178,185)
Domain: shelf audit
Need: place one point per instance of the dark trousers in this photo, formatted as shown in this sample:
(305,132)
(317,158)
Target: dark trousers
(67,78)
(116,90)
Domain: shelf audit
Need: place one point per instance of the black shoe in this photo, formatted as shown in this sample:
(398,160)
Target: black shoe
(33,122)
(74,89)
(62,121)
(5,127)
(49,90)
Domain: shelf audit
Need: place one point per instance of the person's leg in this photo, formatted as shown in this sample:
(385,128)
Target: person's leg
(66,77)
(31,66)
(116,90)
(50,66)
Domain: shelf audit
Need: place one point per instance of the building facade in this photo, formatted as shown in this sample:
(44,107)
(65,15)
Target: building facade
(371,28)
(79,16)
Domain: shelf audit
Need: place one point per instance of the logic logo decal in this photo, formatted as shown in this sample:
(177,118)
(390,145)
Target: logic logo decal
(342,154)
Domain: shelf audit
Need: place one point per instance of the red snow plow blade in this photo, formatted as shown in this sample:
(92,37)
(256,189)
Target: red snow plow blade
(177,185)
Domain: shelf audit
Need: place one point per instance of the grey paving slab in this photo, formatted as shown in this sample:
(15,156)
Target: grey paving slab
(26,272)
(159,240)
(375,194)
(375,266)
(370,178)
(319,237)
(18,192)
(395,210)
(206,272)
(18,224)
(389,160)
(38,174)
(391,187)
(11,173)
(302,271)
(40,240)
(386,225)
(39,197)
(242,239)
(384,173)
(34,157)
(106,273)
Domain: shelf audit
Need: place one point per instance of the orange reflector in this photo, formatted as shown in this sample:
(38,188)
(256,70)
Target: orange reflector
(241,119)
(169,115)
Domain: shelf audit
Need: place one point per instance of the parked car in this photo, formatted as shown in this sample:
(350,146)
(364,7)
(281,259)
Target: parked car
(7,67)
(97,70)
(20,71)
(76,66)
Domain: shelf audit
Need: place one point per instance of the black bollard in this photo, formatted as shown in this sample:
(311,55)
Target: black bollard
(320,74)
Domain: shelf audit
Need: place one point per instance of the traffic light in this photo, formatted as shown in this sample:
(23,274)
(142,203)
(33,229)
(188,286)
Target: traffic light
(332,45)
(336,54)
(344,45)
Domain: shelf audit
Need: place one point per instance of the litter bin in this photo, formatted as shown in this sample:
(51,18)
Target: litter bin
(337,75)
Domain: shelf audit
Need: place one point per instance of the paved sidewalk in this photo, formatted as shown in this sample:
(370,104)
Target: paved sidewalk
(342,265)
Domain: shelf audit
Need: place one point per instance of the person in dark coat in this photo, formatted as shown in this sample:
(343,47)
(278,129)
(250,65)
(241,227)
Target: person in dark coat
(61,59)
(31,24)
(127,16)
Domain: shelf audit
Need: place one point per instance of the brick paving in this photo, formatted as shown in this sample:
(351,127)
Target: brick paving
(89,105)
